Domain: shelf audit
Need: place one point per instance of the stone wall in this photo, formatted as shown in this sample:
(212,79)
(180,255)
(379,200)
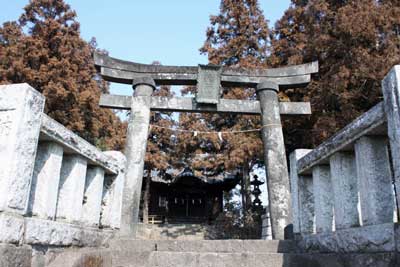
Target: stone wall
(342,192)
(57,190)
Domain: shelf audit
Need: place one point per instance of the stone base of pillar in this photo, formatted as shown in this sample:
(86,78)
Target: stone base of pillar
(266,233)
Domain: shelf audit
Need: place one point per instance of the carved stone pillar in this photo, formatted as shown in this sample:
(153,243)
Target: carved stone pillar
(374,180)
(71,188)
(345,190)
(323,198)
(135,150)
(296,188)
(46,179)
(93,195)
(275,159)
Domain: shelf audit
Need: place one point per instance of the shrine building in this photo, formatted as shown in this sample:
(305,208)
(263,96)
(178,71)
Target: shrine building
(187,196)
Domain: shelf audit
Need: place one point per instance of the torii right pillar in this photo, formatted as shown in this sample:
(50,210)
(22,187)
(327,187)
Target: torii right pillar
(275,161)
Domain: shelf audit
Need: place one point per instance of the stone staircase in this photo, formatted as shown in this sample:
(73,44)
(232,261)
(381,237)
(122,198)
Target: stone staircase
(204,253)
(209,253)
(175,232)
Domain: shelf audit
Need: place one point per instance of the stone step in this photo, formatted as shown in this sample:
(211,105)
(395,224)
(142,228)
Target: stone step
(202,246)
(174,232)
(128,258)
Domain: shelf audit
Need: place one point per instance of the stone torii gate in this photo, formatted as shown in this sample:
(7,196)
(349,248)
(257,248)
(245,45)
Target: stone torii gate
(208,79)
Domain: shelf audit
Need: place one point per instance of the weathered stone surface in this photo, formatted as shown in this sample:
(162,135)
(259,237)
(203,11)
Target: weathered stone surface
(93,195)
(12,256)
(72,185)
(266,233)
(72,143)
(129,258)
(106,209)
(344,260)
(21,109)
(136,142)
(208,84)
(391,96)
(374,180)
(45,232)
(112,197)
(201,246)
(294,157)
(94,237)
(306,204)
(345,191)
(82,258)
(146,259)
(397,236)
(194,259)
(45,181)
(366,239)
(275,160)
(187,104)
(11,228)
(174,231)
(124,72)
(323,198)
(369,123)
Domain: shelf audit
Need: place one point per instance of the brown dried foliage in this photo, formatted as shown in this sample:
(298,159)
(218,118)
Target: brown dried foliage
(356,44)
(160,145)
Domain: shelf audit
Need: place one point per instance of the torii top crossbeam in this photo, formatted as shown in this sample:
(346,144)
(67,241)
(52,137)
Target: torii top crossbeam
(120,71)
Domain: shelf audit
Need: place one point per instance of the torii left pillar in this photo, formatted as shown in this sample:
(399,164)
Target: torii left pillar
(135,151)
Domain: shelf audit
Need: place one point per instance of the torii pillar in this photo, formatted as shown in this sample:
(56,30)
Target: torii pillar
(275,159)
(135,151)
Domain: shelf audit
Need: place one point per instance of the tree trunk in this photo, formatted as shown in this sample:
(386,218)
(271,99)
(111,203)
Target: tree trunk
(146,200)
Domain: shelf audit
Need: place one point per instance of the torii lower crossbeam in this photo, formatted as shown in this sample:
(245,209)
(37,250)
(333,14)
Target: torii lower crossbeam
(186,104)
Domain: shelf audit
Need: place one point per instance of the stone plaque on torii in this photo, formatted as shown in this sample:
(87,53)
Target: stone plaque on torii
(208,79)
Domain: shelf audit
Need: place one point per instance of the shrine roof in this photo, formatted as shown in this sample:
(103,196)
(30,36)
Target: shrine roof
(172,176)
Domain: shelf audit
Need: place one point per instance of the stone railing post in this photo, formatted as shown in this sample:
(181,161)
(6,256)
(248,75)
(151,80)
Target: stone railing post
(135,151)
(323,198)
(275,159)
(21,109)
(299,199)
(391,97)
(93,195)
(45,182)
(345,190)
(306,204)
(112,196)
(72,185)
(374,180)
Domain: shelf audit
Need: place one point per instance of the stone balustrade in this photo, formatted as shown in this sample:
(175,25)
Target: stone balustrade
(343,191)
(56,189)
